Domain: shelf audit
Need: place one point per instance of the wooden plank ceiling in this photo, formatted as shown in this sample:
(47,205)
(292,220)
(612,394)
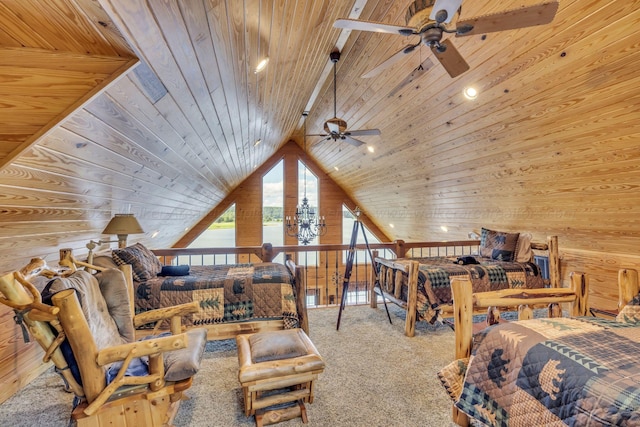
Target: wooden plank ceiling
(557,115)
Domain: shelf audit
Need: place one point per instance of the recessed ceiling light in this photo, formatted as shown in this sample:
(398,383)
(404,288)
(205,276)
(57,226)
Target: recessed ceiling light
(371,148)
(444,228)
(255,144)
(470,92)
(261,65)
(155,233)
(391,225)
(336,168)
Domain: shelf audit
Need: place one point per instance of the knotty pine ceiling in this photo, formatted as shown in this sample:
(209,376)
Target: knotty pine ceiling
(153,107)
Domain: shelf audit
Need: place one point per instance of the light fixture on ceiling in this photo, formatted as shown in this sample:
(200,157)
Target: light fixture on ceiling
(336,168)
(305,224)
(261,65)
(371,148)
(258,142)
(470,92)
(120,224)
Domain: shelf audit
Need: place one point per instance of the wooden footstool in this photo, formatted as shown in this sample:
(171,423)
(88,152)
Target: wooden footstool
(277,371)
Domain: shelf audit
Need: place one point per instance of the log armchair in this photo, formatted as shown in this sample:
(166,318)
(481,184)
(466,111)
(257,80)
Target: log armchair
(87,331)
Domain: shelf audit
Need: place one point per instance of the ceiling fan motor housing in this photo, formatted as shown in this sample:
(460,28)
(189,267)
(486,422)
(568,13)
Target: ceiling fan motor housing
(342,125)
(418,13)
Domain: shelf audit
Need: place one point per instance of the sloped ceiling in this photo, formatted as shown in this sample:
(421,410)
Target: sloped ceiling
(170,138)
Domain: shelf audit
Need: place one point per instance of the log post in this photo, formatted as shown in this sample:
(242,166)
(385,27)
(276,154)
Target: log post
(301,298)
(412,299)
(627,286)
(580,285)
(373,299)
(81,341)
(525,312)
(399,248)
(554,261)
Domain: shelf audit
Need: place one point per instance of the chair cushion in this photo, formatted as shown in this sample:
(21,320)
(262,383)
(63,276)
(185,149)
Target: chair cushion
(102,326)
(115,291)
(104,261)
(276,345)
(184,363)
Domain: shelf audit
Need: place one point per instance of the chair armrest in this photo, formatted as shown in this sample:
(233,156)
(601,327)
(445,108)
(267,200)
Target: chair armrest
(165,313)
(142,348)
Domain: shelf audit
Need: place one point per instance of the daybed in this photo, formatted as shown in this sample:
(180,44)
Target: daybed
(499,260)
(233,298)
(558,371)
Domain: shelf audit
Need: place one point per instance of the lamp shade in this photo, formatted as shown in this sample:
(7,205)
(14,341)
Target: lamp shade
(123,224)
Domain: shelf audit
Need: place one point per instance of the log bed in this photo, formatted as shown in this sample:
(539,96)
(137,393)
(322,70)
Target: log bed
(570,370)
(399,279)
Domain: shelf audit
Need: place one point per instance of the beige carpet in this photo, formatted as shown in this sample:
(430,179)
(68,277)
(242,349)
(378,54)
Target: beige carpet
(374,376)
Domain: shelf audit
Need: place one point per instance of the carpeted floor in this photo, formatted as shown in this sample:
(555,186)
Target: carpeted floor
(374,376)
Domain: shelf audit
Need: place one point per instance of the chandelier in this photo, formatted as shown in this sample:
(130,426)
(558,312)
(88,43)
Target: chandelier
(305,224)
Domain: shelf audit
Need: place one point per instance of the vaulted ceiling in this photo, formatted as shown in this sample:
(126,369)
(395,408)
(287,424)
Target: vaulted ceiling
(154,107)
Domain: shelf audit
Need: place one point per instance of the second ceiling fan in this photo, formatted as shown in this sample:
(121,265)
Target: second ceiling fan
(336,128)
(430,19)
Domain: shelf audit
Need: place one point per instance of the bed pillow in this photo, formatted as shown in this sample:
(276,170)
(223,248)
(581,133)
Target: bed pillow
(498,244)
(630,313)
(523,248)
(144,263)
(174,270)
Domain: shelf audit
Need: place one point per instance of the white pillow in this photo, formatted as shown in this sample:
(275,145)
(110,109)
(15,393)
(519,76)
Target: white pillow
(523,248)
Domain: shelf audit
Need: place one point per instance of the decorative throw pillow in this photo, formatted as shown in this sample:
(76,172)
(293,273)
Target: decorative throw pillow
(523,249)
(498,244)
(144,263)
(630,313)
(174,270)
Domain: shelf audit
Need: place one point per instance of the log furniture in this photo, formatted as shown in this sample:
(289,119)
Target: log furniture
(565,369)
(234,298)
(403,280)
(286,362)
(87,332)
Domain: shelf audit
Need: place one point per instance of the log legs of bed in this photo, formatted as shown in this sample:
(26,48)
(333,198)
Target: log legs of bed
(412,299)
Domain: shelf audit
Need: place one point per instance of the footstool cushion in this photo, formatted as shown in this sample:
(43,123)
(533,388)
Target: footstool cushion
(283,361)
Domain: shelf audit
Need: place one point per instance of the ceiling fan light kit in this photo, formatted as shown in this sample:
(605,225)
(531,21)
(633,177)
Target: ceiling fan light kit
(431,19)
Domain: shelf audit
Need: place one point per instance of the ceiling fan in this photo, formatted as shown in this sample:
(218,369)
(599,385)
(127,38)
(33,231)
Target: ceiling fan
(430,19)
(336,128)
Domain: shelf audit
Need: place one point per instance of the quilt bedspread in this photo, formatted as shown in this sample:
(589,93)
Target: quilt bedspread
(226,293)
(435,273)
(562,371)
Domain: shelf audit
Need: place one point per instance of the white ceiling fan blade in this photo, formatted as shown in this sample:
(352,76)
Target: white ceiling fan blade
(352,141)
(361,132)
(390,60)
(376,27)
(450,6)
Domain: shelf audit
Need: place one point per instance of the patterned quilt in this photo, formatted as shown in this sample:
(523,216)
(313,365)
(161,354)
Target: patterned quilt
(226,293)
(434,281)
(553,372)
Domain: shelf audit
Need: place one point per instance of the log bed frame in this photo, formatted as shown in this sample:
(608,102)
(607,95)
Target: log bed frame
(223,331)
(466,304)
(391,272)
